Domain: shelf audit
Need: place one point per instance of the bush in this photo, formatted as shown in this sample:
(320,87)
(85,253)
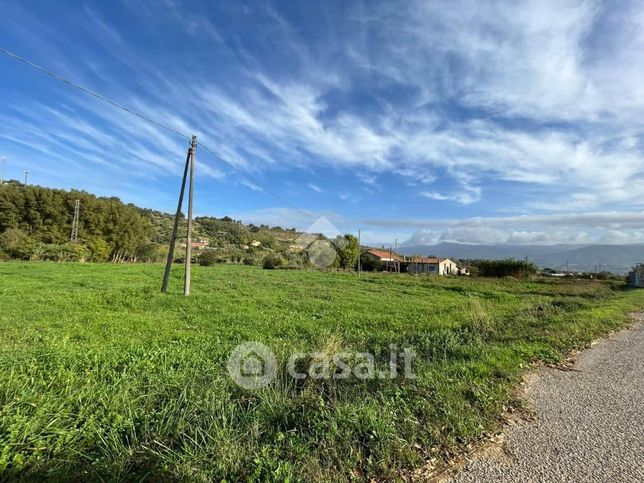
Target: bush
(370,264)
(208,258)
(17,244)
(273,261)
(506,268)
(64,252)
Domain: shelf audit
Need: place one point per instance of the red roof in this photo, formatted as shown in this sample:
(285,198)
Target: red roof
(385,254)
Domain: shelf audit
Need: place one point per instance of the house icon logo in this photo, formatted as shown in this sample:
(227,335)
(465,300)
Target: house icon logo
(252,365)
(321,241)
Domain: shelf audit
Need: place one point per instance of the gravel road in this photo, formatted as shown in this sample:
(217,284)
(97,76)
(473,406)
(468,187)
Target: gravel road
(589,422)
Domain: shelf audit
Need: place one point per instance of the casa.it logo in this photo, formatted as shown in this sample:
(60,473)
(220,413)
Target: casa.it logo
(252,365)
(321,241)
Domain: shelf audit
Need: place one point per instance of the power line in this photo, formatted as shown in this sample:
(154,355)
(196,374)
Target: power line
(91,93)
(156,123)
(252,180)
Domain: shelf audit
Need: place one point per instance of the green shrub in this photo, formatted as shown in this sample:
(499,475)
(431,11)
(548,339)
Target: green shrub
(17,244)
(208,258)
(273,261)
(506,268)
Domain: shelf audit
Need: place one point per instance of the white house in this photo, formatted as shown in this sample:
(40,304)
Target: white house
(436,266)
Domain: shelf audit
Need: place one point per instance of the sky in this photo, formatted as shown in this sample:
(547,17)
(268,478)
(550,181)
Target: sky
(422,122)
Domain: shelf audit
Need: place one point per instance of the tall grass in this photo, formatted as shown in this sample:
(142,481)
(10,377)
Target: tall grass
(103,377)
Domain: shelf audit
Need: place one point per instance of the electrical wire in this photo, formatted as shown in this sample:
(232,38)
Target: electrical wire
(156,123)
(254,182)
(91,93)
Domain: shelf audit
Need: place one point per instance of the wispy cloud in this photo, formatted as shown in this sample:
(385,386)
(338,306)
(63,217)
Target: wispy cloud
(451,104)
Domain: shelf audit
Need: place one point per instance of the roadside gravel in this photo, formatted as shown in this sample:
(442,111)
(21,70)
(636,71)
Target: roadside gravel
(589,423)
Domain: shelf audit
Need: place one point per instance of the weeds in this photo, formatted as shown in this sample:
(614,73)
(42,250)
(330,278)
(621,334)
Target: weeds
(105,378)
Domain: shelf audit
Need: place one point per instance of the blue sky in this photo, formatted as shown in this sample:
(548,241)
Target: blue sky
(477,122)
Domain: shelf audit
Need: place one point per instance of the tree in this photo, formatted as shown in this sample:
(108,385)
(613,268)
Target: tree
(348,250)
(99,249)
(16,243)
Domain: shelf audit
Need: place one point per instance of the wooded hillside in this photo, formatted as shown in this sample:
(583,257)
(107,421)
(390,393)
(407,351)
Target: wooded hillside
(36,223)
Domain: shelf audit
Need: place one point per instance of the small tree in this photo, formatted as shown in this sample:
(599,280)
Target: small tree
(348,250)
(99,249)
(16,243)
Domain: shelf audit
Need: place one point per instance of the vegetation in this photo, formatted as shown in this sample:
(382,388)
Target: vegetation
(272,262)
(504,268)
(104,378)
(35,224)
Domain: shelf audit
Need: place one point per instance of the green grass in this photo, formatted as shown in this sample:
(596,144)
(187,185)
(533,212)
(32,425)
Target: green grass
(104,377)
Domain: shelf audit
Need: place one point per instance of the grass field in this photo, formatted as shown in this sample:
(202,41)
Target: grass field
(104,377)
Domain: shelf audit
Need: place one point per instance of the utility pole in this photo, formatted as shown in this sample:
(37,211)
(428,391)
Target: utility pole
(177,216)
(359,253)
(3,159)
(74,235)
(397,263)
(26,176)
(186,285)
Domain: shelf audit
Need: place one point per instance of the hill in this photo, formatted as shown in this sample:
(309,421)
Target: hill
(35,224)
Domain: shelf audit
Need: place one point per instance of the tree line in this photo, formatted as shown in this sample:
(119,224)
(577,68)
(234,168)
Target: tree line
(36,224)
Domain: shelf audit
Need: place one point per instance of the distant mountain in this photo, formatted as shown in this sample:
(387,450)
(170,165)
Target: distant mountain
(611,258)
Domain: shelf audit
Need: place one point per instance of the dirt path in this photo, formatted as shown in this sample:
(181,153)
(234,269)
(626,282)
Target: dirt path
(589,422)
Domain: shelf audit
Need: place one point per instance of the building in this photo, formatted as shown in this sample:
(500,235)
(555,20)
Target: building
(390,260)
(464,271)
(196,245)
(435,266)
(636,276)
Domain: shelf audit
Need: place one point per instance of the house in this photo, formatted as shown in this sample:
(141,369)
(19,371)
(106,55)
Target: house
(196,245)
(388,258)
(636,276)
(436,266)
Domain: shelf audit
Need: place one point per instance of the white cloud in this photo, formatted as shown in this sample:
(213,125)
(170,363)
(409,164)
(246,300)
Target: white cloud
(596,227)
(555,90)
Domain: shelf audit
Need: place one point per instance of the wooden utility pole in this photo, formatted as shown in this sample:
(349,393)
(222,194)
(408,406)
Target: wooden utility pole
(186,284)
(177,216)
(359,253)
